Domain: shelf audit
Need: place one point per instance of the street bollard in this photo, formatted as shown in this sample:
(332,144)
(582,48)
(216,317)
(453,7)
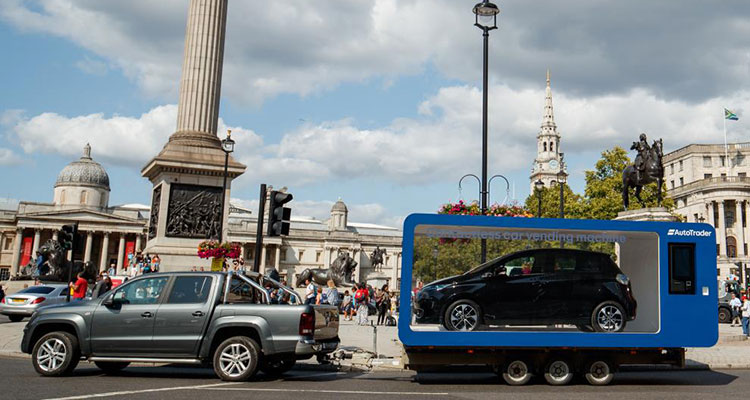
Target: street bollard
(374,338)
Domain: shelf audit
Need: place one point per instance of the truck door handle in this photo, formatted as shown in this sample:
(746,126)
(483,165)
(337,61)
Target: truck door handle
(147,315)
(198,314)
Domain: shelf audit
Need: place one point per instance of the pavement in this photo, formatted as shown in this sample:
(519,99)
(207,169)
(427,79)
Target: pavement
(365,354)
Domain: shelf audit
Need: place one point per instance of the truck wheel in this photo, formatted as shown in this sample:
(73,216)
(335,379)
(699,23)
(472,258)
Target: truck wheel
(462,315)
(15,318)
(111,367)
(725,316)
(608,317)
(599,373)
(236,359)
(56,354)
(277,366)
(558,372)
(516,373)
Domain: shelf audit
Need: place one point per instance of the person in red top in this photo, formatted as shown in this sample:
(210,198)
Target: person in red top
(79,287)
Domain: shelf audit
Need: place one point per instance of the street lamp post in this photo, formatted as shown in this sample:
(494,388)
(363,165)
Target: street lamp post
(486,20)
(227,144)
(538,186)
(561,179)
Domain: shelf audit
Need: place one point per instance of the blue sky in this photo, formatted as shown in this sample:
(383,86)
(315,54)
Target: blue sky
(376,102)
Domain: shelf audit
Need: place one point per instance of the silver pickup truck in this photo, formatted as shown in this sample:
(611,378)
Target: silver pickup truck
(224,319)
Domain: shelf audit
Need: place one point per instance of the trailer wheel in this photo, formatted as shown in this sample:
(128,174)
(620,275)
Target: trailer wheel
(462,315)
(608,316)
(725,315)
(516,373)
(558,372)
(599,373)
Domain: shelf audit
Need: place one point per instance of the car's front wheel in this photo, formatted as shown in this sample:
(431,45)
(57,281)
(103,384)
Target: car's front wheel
(608,316)
(236,359)
(462,315)
(56,354)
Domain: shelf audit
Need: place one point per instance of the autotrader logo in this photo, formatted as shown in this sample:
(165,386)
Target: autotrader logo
(688,232)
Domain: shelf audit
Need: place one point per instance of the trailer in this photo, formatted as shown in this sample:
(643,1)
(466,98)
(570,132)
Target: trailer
(555,298)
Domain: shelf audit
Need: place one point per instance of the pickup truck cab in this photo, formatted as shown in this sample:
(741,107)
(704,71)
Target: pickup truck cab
(226,320)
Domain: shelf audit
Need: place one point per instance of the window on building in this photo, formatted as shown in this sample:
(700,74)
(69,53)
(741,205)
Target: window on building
(671,183)
(715,210)
(731,247)
(722,161)
(682,181)
(551,146)
(84,196)
(744,247)
(318,255)
(545,146)
(707,176)
(300,254)
(729,216)
(671,168)
(742,174)
(706,161)
(4,274)
(282,254)
(62,196)
(723,175)
(8,243)
(718,271)
(680,165)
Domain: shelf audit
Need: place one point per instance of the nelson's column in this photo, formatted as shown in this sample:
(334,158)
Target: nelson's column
(188,172)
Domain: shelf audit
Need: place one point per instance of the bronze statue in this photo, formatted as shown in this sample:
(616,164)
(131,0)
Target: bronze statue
(646,169)
(56,267)
(376,258)
(340,272)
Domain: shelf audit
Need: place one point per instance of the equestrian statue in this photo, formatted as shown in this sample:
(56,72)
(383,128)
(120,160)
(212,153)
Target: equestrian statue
(340,272)
(376,258)
(646,169)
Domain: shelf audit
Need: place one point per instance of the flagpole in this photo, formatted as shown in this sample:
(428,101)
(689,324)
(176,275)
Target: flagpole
(726,152)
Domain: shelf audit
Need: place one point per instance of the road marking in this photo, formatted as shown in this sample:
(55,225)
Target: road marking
(323,391)
(127,392)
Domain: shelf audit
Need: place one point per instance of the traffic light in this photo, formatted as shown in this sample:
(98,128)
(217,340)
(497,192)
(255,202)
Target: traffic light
(278,215)
(67,236)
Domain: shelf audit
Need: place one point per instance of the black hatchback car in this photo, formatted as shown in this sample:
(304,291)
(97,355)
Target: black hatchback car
(533,287)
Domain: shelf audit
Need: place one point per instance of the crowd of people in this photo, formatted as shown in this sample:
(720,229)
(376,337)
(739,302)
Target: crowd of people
(357,304)
(139,264)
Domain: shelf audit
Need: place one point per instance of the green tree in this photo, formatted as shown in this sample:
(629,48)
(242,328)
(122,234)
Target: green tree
(603,193)
(573,203)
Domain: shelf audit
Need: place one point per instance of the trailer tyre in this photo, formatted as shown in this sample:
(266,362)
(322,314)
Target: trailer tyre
(558,372)
(462,315)
(516,373)
(608,316)
(725,315)
(599,373)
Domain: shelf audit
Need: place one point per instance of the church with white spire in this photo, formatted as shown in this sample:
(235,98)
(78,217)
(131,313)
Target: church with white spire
(549,160)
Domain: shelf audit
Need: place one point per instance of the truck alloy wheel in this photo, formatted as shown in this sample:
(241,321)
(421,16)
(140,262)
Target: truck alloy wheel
(463,315)
(236,359)
(56,354)
(516,373)
(599,373)
(558,372)
(608,317)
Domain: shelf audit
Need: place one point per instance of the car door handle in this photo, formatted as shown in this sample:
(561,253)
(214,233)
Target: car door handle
(147,315)
(198,314)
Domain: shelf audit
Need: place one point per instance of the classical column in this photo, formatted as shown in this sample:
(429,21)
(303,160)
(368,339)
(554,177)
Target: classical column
(89,242)
(200,85)
(37,238)
(120,253)
(710,215)
(277,261)
(721,230)
(327,258)
(16,251)
(263,258)
(746,229)
(137,242)
(739,229)
(357,274)
(394,273)
(104,259)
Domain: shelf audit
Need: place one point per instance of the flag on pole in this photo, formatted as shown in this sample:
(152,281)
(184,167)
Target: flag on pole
(730,115)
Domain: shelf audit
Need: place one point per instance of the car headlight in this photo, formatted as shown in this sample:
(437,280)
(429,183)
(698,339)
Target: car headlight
(622,279)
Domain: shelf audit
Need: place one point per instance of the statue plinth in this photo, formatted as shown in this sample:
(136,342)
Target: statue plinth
(647,214)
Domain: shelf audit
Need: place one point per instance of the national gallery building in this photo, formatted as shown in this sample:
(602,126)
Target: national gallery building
(111,233)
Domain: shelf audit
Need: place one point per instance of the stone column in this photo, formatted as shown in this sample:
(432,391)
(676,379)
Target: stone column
(137,242)
(721,230)
(357,274)
(394,273)
(263,258)
(327,258)
(104,259)
(16,251)
(739,229)
(746,229)
(277,260)
(89,242)
(120,253)
(200,85)
(37,238)
(710,216)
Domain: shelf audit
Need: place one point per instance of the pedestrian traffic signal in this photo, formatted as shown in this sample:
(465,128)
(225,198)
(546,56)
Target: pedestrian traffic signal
(278,215)
(67,236)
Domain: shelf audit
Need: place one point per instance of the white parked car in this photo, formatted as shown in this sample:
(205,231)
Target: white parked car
(23,303)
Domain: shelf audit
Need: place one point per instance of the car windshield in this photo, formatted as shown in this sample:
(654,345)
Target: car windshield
(481,266)
(38,290)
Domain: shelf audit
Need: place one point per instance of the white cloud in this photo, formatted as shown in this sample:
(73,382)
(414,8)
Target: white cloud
(373,213)
(9,157)
(92,66)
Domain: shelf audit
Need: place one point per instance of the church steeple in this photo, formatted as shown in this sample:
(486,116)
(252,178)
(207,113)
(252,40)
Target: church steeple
(548,161)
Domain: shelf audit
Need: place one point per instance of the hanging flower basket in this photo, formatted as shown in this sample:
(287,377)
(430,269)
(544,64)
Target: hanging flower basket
(497,210)
(215,249)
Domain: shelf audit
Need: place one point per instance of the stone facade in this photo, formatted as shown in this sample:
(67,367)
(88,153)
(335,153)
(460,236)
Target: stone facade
(549,160)
(706,187)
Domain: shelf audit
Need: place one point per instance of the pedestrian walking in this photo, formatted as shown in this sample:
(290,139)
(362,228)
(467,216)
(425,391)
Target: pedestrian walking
(346,306)
(745,315)
(735,304)
(79,287)
(384,305)
(309,292)
(332,294)
(362,297)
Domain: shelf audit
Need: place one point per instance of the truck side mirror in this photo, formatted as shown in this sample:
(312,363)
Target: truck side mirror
(108,301)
